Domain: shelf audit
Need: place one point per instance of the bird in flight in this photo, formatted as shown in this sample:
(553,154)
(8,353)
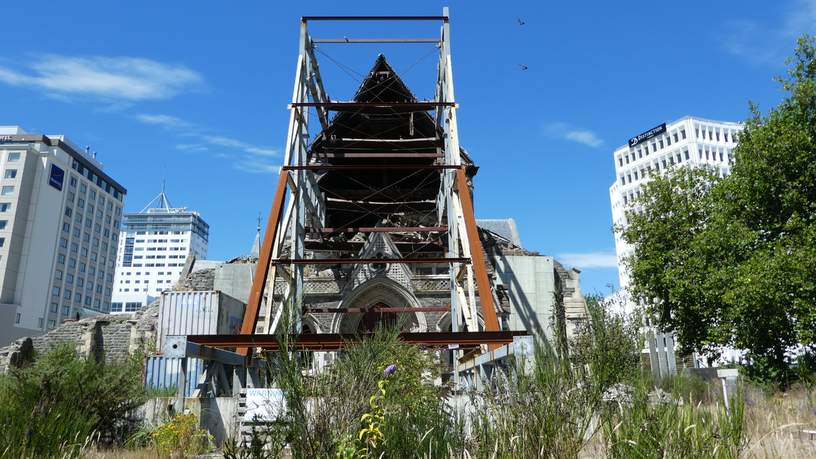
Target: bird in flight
(523,67)
(521,22)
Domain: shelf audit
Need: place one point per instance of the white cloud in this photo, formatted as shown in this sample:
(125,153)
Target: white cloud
(108,78)
(166,121)
(234,143)
(256,166)
(565,131)
(589,260)
(761,43)
(252,156)
(191,147)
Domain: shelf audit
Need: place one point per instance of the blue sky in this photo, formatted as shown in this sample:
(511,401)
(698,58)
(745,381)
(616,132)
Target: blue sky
(196,92)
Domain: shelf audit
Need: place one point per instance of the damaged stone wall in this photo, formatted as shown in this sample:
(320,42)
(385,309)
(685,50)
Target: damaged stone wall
(105,336)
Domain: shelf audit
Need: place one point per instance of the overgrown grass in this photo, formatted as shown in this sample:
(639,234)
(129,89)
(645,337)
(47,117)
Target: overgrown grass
(61,404)
(325,412)
(594,401)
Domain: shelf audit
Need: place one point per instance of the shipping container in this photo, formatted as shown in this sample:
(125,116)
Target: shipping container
(164,373)
(198,313)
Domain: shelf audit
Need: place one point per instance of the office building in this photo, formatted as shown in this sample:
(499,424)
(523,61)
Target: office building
(59,220)
(153,247)
(688,141)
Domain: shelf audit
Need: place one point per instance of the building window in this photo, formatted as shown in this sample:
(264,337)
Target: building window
(58,274)
(14,156)
(10,173)
(73,181)
(61,259)
(55,291)
(7,190)
(17,319)
(3,224)
(4,206)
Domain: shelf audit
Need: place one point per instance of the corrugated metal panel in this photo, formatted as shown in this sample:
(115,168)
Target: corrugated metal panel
(162,373)
(197,313)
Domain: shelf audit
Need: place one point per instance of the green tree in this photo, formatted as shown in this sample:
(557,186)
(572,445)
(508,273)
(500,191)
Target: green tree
(732,261)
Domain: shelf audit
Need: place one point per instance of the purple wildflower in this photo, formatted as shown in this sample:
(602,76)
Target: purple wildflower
(390,369)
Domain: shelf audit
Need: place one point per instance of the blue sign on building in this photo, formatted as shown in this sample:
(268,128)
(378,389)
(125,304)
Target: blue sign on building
(56,177)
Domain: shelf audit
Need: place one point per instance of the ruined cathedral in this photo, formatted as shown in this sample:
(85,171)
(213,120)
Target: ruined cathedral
(363,205)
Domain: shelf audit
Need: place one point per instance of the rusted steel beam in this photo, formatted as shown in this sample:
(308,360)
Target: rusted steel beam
(335,341)
(385,310)
(318,41)
(354,247)
(367,167)
(345,105)
(376,155)
(356,261)
(491,321)
(262,269)
(373,18)
(387,229)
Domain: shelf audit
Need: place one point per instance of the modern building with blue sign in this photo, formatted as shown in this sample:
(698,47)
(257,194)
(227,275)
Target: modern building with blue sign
(59,226)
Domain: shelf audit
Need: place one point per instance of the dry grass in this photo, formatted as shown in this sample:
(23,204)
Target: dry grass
(145,453)
(774,424)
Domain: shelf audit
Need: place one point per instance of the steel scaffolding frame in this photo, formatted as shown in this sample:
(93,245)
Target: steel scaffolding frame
(298,201)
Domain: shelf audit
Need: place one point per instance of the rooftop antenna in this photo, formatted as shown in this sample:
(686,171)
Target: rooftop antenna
(161,200)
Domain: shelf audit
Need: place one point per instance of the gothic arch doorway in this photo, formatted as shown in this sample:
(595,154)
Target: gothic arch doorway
(372,296)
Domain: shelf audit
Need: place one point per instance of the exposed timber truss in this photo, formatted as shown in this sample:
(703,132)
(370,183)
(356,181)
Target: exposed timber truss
(425,173)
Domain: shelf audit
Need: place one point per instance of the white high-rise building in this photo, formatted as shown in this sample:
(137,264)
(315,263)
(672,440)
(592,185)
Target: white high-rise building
(688,141)
(59,220)
(153,247)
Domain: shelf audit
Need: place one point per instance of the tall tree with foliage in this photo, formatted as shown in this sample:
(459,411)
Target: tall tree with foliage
(732,261)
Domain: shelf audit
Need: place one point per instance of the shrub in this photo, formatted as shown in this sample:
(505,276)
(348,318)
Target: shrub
(61,402)
(181,437)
